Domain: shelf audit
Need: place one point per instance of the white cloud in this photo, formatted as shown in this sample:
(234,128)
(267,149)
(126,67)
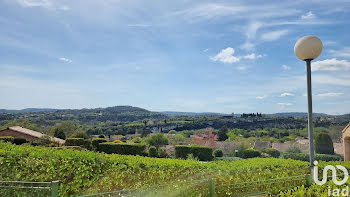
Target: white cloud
(329,80)
(330,64)
(285,104)
(308,16)
(252,29)
(273,35)
(252,56)
(205,50)
(63,59)
(48,4)
(209,11)
(285,94)
(341,53)
(285,67)
(248,46)
(34,3)
(261,97)
(226,56)
(330,94)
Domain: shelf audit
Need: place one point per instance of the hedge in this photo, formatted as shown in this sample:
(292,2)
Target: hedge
(306,157)
(203,153)
(122,149)
(271,152)
(324,144)
(218,153)
(75,142)
(19,140)
(7,138)
(97,141)
(152,151)
(249,153)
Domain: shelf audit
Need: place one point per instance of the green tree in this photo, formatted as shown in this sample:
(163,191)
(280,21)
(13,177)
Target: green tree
(324,144)
(157,140)
(145,132)
(223,133)
(80,134)
(186,133)
(59,134)
(67,127)
(172,132)
(179,139)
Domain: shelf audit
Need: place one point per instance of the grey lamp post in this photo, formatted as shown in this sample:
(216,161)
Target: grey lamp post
(307,49)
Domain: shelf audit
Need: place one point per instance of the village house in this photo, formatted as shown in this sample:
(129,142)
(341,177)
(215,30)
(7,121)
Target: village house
(27,134)
(346,142)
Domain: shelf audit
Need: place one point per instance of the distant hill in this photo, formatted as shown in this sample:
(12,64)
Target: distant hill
(296,114)
(176,113)
(26,110)
(123,113)
(116,113)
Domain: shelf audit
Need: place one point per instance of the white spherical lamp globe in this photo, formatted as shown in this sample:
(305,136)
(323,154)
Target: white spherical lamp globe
(308,48)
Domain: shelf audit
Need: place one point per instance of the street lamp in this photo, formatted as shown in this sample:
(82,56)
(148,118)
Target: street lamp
(307,49)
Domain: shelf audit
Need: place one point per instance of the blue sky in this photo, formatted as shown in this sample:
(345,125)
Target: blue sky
(217,56)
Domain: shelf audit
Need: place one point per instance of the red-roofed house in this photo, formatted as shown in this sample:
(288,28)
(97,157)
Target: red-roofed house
(28,134)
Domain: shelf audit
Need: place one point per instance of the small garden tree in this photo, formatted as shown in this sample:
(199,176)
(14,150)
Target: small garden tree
(81,134)
(218,153)
(59,134)
(223,133)
(152,151)
(324,144)
(157,140)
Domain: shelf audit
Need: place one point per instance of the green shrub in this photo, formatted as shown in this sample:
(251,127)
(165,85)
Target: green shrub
(306,157)
(271,152)
(122,148)
(157,140)
(97,141)
(7,138)
(45,140)
(101,136)
(324,144)
(19,140)
(190,157)
(59,134)
(152,151)
(75,142)
(204,153)
(137,140)
(162,153)
(172,132)
(118,142)
(248,153)
(293,149)
(218,153)
(240,149)
(80,134)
